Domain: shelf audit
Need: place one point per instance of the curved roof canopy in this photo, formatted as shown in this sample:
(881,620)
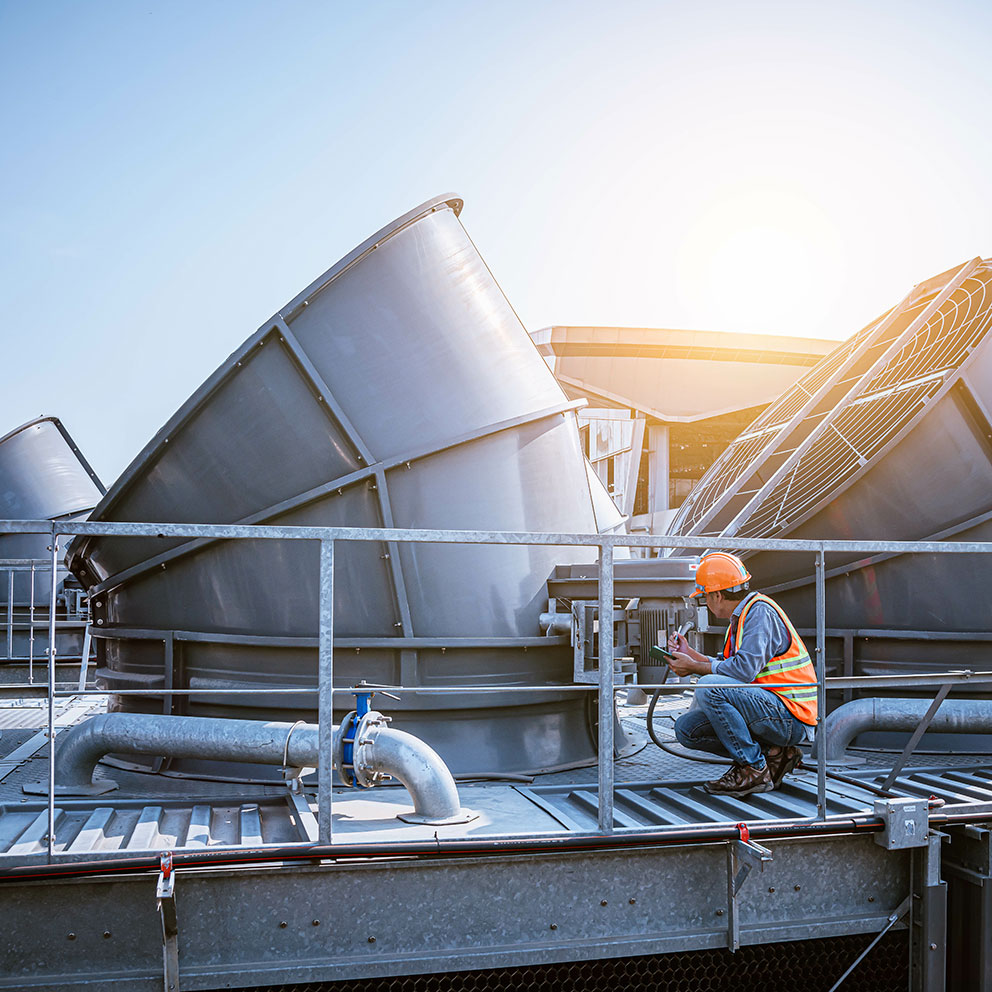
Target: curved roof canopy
(676,375)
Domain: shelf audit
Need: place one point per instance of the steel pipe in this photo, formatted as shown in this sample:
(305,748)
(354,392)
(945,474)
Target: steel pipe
(955,716)
(385,751)
(295,745)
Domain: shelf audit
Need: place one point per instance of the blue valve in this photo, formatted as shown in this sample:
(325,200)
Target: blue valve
(363,703)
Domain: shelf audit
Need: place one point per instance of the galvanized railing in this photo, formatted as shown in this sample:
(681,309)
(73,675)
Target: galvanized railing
(28,615)
(328,537)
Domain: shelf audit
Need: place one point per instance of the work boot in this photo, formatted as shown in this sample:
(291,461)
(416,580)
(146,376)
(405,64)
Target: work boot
(781,761)
(741,780)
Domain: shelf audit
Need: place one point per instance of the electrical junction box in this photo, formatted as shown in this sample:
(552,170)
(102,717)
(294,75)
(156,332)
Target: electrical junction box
(907,823)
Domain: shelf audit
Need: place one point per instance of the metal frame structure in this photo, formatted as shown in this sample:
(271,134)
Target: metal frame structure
(618,866)
(605,543)
(17,619)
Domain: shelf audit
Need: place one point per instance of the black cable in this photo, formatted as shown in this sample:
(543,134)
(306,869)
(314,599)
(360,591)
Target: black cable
(651,707)
(706,760)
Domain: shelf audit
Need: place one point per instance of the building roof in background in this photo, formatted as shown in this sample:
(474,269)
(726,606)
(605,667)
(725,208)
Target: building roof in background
(676,375)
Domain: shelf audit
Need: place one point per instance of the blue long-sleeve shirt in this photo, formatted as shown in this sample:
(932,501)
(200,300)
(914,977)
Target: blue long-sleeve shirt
(764,637)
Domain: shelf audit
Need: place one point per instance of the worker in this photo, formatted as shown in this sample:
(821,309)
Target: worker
(756,702)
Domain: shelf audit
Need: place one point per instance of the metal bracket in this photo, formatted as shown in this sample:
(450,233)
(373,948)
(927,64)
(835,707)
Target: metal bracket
(899,913)
(917,734)
(292,775)
(165,902)
(585,650)
(928,919)
(742,855)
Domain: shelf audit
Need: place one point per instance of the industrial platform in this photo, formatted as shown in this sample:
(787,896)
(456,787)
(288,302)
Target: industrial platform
(653,789)
(526,883)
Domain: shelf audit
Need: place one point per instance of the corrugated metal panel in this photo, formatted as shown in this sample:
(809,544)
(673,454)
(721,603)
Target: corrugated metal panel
(652,804)
(112,825)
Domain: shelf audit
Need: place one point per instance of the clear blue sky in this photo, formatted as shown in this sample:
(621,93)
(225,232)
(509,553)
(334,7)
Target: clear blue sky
(172,173)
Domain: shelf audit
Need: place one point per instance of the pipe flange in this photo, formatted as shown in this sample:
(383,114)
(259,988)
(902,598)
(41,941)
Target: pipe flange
(464,815)
(367,774)
(337,749)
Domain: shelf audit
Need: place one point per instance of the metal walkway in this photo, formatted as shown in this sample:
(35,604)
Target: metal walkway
(639,805)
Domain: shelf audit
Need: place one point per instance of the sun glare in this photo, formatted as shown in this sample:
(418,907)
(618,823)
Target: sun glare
(755,259)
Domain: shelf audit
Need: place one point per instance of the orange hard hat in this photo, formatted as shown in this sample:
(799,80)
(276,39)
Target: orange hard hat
(721,570)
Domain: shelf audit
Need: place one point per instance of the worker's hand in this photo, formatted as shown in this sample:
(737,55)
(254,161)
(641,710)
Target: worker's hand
(682,664)
(677,642)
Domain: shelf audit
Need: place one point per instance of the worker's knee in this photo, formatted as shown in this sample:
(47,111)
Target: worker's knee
(690,728)
(713,687)
(707,686)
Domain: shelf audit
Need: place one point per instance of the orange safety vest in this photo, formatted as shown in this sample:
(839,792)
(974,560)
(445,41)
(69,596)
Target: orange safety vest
(792,666)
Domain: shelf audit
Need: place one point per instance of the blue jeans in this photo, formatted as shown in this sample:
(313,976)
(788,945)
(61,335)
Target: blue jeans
(729,716)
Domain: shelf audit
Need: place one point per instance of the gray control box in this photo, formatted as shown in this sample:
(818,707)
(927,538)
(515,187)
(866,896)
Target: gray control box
(906,823)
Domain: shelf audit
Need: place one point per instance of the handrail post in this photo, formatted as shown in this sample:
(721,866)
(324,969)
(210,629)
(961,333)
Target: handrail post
(605,694)
(10,615)
(325,689)
(31,631)
(821,689)
(51,695)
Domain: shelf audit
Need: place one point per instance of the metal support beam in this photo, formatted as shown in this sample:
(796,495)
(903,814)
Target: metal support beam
(10,615)
(325,681)
(605,721)
(165,902)
(31,631)
(890,923)
(921,729)
(821,691)
(85,659)
(658,468)
(54,548)
(928,925)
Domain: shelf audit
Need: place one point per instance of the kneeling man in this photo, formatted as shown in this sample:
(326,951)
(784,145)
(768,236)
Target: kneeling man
(757,701)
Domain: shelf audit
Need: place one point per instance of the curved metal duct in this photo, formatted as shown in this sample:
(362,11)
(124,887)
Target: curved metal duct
(43,476)
(399,389)
(955,716)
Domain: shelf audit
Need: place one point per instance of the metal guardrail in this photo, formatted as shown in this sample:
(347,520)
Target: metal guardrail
(31,616)
(606,543)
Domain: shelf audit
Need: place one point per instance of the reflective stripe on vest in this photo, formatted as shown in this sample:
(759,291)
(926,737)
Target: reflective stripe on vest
(792,666)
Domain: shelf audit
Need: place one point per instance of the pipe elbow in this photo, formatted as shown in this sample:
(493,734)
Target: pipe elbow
(844,724)
(79,749)
(419,767)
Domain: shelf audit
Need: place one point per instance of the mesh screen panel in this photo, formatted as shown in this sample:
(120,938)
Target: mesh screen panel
(812,966)
(881,407)
(850,432)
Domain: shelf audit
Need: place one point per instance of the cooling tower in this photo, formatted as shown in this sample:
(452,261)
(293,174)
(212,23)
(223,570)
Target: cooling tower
(43,476)
(887,438)
(401,390)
